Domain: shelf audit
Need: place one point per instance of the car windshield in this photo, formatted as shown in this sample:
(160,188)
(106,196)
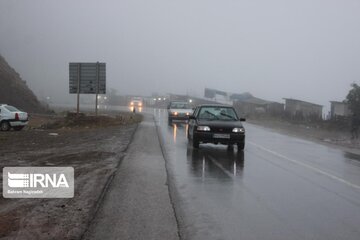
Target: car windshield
(217,113)
(179,105)
(12,109)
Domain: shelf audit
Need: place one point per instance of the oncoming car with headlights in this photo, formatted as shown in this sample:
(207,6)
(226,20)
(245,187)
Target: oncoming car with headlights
(218,124)
(179,111)
(136,102)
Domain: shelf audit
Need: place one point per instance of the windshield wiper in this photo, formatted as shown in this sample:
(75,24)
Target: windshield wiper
(229,116)
(214,117)
(210,113)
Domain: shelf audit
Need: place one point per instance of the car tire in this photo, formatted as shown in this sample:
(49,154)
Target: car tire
(241,146)
(18,128)
(195,142)
(5,126)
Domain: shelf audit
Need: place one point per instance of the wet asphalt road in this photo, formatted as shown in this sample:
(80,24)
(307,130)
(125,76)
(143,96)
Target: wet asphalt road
(280,187)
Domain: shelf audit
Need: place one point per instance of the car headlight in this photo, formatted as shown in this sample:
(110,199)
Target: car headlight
(140,104)
(132,103)
(175,113)
(238,130)
(203,128)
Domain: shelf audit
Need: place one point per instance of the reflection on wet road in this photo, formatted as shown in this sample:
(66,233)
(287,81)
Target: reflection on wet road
(135,109)
(212,162)
(280,187)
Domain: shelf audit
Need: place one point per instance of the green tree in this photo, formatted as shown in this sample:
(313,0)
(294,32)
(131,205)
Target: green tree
(353,99)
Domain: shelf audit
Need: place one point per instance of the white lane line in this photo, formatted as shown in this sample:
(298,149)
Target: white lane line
(315,169)
(228,173)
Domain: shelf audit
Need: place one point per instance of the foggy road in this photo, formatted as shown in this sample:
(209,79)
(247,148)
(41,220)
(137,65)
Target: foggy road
(89,84)
(280,187)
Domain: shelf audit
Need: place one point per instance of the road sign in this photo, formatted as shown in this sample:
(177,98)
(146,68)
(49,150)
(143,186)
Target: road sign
(87,78)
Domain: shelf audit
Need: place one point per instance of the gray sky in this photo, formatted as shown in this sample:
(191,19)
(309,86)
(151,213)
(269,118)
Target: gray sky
(308,49)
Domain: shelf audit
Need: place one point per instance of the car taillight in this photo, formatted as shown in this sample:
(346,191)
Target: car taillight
(16,116)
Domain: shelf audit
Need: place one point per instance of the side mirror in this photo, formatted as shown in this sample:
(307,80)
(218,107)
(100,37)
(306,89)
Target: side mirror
(242,120)
(192,117)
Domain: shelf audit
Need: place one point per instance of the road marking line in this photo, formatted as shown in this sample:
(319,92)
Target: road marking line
(315,169)
(221,167)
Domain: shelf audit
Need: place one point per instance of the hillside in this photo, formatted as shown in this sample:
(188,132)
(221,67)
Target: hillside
(14,91)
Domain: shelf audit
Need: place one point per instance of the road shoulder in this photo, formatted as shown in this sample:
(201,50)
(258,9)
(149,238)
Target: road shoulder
(137,204)
(331,139)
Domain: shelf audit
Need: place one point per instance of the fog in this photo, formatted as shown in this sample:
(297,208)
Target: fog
(307,49)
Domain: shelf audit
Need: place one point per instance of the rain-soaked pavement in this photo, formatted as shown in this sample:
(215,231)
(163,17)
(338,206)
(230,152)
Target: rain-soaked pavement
(280,187)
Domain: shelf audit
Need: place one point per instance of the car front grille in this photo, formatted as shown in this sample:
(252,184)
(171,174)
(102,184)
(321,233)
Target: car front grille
(221,130)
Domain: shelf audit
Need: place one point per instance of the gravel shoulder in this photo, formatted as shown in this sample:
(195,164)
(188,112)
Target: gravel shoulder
(94,151)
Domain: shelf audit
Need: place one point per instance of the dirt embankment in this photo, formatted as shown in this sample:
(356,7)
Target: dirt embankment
(93,146)
(14,91)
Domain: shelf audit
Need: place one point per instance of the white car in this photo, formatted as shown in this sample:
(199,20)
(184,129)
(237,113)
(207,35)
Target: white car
(179,111)
(11,117)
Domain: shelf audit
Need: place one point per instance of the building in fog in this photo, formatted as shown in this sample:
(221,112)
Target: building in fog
(298,109)
(253,105)
(339,109)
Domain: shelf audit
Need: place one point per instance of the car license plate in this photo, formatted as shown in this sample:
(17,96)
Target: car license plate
(219,135)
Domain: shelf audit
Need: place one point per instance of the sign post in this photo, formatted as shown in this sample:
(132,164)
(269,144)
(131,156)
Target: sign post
(97,88)
(78,90)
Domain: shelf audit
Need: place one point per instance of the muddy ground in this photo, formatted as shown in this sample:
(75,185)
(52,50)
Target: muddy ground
(93,146)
